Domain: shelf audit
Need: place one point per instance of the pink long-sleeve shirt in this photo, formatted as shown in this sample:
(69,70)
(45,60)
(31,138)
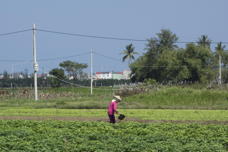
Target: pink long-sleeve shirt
(112,107)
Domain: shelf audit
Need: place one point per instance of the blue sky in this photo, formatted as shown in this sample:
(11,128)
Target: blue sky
(137,19)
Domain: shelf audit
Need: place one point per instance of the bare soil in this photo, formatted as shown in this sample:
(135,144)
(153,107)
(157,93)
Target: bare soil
(96,119)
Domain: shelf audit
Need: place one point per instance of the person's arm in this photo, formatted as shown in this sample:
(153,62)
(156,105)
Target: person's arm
(115,108)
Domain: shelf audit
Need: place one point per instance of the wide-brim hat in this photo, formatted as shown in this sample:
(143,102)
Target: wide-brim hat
(118,98)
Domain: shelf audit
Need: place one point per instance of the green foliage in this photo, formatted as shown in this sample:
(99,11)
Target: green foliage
(225,58)
(47,82)
(150,81)
(204,41)
(57,75)
(225,75)
(73,68)
(110,82)
(7,83)
(220,48)
(167,39)
(180,98)
(97,136)
(129,53)
(139,71)
(137,96)
(165,63)
(155,60)
(202,116)
(199,62)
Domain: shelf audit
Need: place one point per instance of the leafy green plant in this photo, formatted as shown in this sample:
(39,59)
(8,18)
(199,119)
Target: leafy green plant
(21,135)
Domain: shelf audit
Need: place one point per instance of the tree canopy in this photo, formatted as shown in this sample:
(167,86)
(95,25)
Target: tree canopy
(73,69)
(164,62)
(129,53)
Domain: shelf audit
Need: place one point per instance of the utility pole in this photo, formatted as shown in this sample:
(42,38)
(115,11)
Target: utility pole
(11,84)
(91,72)
(35,64)
(220,71)
(12,71)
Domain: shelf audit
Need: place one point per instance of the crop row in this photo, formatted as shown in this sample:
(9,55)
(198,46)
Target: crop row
(146,114)
(24,135)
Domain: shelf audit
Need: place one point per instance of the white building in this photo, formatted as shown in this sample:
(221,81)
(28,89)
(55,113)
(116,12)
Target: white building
(103,75)
(113,75)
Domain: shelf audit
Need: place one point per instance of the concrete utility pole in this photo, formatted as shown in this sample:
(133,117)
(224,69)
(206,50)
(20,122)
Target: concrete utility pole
(91,72)
(12,71)
(220,71)
(35,64)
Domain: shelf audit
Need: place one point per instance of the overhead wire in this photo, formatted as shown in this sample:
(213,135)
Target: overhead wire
(58,58)
(81,86)
(146,66)
(113,38)
(96,36)
(5,60)
(107,56)
(91,36)
(57,76)
(78,35)
(45,59)
(14,32)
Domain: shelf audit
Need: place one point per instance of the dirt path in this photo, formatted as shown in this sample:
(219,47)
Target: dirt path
(106,119)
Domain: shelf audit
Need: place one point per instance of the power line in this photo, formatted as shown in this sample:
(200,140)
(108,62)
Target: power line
(154,66)
(212,42)
(91,36)
(66,81)
(15,60)
(113,38)
(15,32)
(58,58)
(107,57)
(146,66)
(77,85)
(46,59)
(96,36)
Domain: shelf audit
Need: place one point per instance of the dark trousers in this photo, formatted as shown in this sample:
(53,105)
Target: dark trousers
(112,118)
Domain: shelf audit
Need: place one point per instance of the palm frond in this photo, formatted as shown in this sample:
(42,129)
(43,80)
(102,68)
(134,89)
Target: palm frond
(124,58)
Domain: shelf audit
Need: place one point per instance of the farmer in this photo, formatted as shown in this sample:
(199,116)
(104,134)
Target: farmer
(112,108)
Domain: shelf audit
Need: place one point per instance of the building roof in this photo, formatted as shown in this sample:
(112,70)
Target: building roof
(102,72)
(109,72)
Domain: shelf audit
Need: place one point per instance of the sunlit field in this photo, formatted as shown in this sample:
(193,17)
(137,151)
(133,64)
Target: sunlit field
(162,97)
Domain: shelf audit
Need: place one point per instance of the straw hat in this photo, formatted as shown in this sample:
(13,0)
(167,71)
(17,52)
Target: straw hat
(117,97)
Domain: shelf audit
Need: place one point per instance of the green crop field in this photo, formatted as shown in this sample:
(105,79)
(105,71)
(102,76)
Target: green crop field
(180,98)
(22,135)
(161,97)
(70,119)
(142,114)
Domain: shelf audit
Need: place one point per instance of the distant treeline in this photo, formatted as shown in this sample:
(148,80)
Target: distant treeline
(52,82)
(164,61)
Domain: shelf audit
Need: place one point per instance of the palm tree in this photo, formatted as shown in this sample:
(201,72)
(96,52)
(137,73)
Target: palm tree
(219,52)
(129,53)
(167,39)
(204,41)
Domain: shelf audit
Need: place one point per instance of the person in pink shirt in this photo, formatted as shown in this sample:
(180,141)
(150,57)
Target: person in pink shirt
(112,108)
